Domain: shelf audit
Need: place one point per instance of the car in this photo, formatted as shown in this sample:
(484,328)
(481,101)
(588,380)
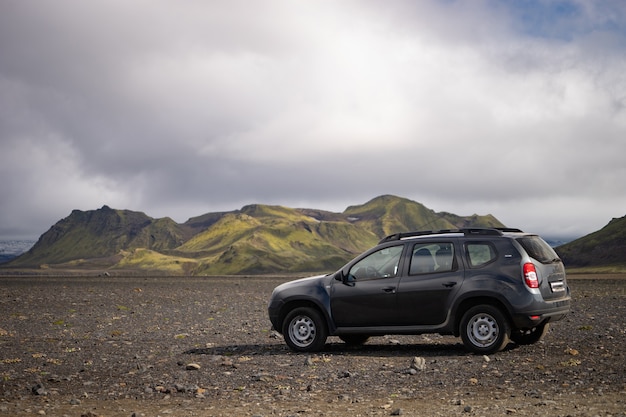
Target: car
(489,286)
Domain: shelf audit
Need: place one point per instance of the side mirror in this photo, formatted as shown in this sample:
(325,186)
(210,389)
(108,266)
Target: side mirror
(339,275)
(348,280)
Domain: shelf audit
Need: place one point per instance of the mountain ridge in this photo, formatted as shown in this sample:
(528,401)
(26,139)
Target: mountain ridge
(603,250)
(255,239)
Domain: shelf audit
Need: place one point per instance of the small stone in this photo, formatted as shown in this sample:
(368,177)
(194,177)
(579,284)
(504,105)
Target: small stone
(39,389)
(192,367)
(486,358)
(533,394)
(262,377)
(467,409)
(397,412)
(74,401)
(418,363)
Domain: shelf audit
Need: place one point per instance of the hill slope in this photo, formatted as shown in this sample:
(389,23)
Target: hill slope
(102,234)
(604,248)
(255,239)
(389,214)
(263,239)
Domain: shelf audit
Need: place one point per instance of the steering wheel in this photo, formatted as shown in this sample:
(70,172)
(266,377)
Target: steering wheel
(372,272)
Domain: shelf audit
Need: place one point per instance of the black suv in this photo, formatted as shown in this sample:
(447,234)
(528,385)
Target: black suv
(488,286)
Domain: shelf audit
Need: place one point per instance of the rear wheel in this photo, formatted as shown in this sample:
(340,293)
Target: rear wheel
(304,330)
(484,329)
(354,339)
(528,337)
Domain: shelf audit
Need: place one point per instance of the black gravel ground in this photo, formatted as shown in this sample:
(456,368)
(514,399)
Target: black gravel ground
(124,346)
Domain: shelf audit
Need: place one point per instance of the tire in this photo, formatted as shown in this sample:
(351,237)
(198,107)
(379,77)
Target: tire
(484,329)
(304,330)
(354,339)
(529,337)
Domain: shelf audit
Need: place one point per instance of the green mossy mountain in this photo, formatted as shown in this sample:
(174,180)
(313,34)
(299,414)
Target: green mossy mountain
(605,248)
(101,236)
(256,239)
(388,214)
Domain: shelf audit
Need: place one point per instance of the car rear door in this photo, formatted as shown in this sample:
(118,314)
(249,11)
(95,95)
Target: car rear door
(431,280)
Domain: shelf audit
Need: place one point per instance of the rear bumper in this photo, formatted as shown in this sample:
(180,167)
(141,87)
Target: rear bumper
(543,313)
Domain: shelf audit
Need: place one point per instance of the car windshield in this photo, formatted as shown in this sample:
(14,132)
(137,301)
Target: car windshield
(538,249)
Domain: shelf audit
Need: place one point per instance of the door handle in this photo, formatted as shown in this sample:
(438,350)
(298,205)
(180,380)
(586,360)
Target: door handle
(449,284)
(391,290)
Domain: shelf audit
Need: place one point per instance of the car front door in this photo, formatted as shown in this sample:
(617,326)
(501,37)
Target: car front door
(367,295)
(433,279)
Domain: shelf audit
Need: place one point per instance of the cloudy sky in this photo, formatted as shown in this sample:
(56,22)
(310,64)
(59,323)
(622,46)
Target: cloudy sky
(178,108)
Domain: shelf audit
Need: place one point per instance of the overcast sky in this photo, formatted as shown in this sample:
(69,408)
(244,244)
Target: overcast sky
(179,108)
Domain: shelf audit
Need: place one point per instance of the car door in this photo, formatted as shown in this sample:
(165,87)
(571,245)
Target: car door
(367,295)
(432,280)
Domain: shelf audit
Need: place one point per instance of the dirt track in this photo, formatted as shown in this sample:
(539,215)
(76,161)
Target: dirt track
(202,346)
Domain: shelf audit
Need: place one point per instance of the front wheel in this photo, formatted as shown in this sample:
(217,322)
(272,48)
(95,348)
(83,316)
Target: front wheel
(304,330)
(484,329)
(528,337)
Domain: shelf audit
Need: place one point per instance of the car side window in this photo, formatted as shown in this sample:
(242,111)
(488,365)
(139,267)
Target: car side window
(380,264)
(480,253)
(432,257)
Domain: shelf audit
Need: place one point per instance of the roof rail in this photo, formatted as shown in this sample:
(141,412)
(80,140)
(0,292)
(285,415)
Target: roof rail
(485,231)
(399,236)
(509,229)
(482,231)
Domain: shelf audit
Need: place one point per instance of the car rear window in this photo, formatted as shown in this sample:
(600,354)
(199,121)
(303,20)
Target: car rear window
(538,249)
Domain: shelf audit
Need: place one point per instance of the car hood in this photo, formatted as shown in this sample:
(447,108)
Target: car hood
(302,282)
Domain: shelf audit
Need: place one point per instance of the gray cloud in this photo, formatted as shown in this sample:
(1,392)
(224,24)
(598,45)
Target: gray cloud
(177,109)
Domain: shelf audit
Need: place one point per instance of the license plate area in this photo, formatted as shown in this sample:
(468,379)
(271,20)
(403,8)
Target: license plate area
(557,286)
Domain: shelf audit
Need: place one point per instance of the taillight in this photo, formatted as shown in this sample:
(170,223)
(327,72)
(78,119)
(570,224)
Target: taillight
(530,275)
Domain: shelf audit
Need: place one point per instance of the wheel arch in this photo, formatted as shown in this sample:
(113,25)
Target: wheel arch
(296,303)
(470,302)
